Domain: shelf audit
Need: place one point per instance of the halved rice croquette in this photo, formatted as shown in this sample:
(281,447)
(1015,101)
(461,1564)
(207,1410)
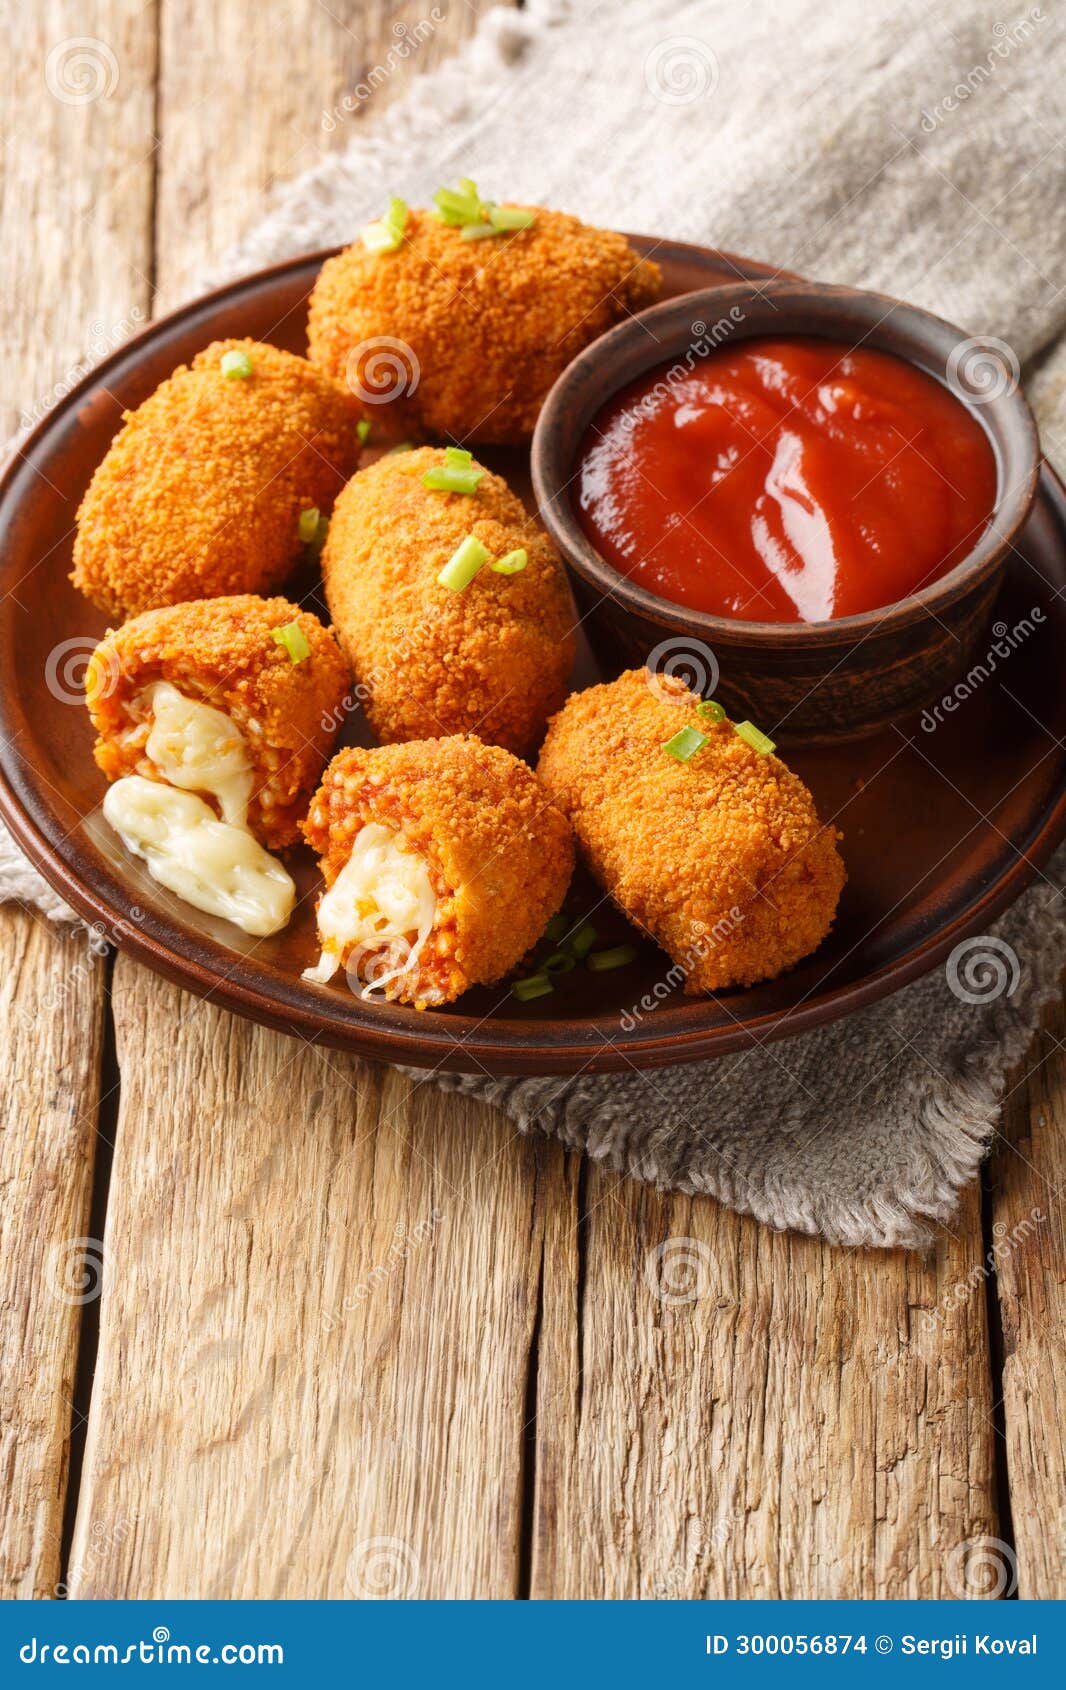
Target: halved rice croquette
(201,491)
(204,697)
(721,859)
(443,860)
(492,659)
(479,329)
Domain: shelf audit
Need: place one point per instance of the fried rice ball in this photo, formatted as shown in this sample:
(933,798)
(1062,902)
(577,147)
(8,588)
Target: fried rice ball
(464,338)
(260,745)
(443,860)
(201,491)
(492,659)
(721,859)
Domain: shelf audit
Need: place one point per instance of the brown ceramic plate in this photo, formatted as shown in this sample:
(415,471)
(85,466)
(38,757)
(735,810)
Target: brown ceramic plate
(943,827)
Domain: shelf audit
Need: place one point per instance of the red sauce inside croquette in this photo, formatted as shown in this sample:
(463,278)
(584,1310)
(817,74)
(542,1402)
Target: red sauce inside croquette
(785,480)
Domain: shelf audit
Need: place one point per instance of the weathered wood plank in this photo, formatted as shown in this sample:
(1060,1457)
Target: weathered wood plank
(1029,1246)
(320,1302)
(730,1412)
(75,196)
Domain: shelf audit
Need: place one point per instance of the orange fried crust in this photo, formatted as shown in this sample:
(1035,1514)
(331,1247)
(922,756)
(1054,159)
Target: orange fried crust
(221,651)
(485,326)
(201,490)
(721,859)
(492,659)
(499,852)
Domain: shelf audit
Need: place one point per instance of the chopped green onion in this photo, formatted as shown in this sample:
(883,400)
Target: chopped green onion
(313,527)
(464,564)
(559,962)
(458,208)
(711,709)
(685,744)
(754,737)
(362,429)
(511,562)
(602,961)
(477,232)
(582,939)
(235,366)
(457,474)
(557,927)
(404,446)
(504,217)
(387,234)
(533,986)
(469,188)
(294,640)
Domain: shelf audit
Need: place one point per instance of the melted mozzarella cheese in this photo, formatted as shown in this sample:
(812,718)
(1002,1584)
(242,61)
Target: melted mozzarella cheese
(200,749)
(214,866)
(381,897)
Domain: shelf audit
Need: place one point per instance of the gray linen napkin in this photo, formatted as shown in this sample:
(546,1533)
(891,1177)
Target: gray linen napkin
(908,149)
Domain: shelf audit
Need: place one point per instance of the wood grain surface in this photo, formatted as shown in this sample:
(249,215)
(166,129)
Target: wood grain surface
(357,1338)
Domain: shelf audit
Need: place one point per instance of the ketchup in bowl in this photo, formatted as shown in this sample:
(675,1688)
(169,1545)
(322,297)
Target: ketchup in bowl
(785,480)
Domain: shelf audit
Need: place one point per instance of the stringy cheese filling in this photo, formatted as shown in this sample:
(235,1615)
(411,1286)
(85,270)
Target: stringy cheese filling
(381,905)
(214,866)
(217,866)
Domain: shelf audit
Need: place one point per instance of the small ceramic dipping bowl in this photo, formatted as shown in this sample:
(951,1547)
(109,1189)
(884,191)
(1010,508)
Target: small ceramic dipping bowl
(810,682)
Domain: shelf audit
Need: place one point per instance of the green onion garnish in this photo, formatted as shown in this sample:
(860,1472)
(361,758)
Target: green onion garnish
(601,961)
(294,640)
(504,217)
(362,429)
(559,962)
(478,232)
(404,446)
(312,527)
(464,564)
(459,208)
(556,928)
(582,939)
(511,562)
(457,474)
(754,737)
(387,234)
(711,709)
(533,986)
(235,366)
(685,744)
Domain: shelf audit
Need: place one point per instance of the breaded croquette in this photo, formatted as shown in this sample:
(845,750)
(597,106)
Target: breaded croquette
(237,698)
(492,658)
(720,858)
(202,490)
(443,860)
(479,329)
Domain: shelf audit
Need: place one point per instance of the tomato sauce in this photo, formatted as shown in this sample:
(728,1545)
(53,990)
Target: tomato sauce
(785,480)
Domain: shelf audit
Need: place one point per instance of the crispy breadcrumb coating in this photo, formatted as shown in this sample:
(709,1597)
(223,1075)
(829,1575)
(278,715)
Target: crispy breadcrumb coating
(492,659)
(500,853)
(721,859)
(221,652)
(201,490)
(484,327)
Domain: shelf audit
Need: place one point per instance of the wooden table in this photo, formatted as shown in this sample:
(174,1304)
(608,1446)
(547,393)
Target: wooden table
(346,1335)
